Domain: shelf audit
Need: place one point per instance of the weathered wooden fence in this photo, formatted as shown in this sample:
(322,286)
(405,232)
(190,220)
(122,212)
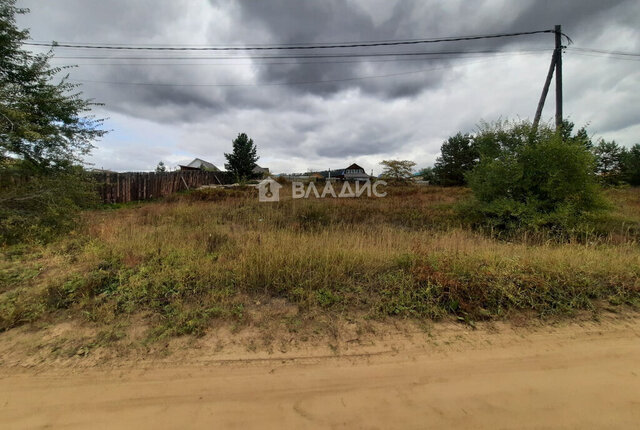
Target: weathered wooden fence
(131,186)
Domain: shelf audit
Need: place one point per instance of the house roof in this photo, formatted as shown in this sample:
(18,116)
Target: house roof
(199,163)
(343,172)
(354,166)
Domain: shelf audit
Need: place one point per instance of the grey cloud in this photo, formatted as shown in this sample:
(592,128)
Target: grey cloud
(300,120)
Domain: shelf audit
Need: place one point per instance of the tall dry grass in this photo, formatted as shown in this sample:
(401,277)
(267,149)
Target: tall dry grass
(193,258)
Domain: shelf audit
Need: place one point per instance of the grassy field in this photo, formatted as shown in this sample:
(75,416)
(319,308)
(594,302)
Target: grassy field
(218,255)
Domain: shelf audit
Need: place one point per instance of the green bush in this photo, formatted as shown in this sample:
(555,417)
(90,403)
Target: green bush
(535,180)
(37,207)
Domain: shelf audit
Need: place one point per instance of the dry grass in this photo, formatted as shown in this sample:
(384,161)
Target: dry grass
(196,258)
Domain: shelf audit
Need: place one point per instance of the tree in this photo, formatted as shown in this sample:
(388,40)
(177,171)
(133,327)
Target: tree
(458,156)
(45,130)
(242,160)
(397,170)
(428,175)
(41,122)
(609,156)
(630,165)
(161,168)
(541,181)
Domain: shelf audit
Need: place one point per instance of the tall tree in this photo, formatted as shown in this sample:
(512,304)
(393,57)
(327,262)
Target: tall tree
(458,156)
(609,156)
(242,160)
(397,170)
(45,129)
(631,165)
(42,122)
(161,168)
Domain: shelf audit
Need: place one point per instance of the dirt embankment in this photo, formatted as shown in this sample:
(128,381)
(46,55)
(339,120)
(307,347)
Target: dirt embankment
(570,376)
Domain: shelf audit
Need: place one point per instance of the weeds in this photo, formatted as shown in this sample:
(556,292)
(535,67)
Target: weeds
(187,263)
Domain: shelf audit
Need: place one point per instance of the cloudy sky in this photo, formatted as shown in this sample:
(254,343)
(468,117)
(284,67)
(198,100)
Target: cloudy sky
(327,112)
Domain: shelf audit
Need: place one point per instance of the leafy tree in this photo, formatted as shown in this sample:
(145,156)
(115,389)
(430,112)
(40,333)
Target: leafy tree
(41,122)
(161,168)
(45,129)
(458,156)
(609,156)
(537,181)
(397,170)
(428,175)
(242,160)
(630,165)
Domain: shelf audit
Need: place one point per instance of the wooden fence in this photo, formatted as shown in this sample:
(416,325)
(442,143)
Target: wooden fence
(131,186)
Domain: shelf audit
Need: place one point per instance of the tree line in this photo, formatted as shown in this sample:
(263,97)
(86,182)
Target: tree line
(461,153)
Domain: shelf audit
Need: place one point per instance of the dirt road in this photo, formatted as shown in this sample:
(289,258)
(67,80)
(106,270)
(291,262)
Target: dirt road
(567,377)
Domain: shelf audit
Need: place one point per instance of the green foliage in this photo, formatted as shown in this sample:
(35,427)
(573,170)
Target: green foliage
(38,207)
(428,174)
(458,156)
(609,160)
(42,122)
(630,167)
(397,170)
(242,160)
(161,168)
(44,132)
(530,179)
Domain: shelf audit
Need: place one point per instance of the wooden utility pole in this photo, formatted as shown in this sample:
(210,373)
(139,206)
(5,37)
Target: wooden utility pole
(558,52)
(545,91)
(556,65)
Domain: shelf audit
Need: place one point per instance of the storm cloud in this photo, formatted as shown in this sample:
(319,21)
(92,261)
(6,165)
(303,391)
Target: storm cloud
(318,112)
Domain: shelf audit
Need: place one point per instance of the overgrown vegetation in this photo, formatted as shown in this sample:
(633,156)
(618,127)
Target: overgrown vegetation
(213,254)
(532,180)
(44,129)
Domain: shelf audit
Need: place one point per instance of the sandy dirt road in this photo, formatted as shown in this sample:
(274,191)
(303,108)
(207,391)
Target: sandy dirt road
(566,377)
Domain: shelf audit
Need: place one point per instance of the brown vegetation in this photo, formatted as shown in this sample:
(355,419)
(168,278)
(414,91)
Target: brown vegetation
(215,254)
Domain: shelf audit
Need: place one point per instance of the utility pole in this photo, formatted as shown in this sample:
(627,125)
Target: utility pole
(558,53)
(556,65)
(545,90)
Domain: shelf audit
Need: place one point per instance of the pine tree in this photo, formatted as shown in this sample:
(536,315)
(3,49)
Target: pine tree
(242,160)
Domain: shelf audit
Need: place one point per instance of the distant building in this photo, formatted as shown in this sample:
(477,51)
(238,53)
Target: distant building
(351,173)
(264,171)
(200,164)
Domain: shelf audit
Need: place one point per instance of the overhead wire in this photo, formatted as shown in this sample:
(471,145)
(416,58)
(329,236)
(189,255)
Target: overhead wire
(286,47)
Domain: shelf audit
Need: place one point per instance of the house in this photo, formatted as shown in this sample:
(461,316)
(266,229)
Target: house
(260,171)
(351,173)
(200,164)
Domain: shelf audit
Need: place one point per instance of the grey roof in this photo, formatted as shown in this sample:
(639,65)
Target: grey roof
(259,169)
(199,163)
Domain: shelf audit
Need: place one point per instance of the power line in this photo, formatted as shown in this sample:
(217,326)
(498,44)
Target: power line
(285,47)
(319,62)
(602,51)
(263,84)
(299,56)
(603,56)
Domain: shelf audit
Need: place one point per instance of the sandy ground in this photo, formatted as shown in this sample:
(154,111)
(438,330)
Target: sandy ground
(570,376)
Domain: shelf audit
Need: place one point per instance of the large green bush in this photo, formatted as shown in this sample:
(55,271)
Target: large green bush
(531,179)
(35,208)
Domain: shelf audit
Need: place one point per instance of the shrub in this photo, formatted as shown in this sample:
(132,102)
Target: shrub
(38,207)
(533,180)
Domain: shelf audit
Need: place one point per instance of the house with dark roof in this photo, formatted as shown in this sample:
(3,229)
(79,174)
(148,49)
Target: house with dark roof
(351,173)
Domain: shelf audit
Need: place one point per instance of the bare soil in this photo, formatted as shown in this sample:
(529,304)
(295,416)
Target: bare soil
(568,375)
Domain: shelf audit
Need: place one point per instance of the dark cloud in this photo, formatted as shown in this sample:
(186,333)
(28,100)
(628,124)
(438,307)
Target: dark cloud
(400,108)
